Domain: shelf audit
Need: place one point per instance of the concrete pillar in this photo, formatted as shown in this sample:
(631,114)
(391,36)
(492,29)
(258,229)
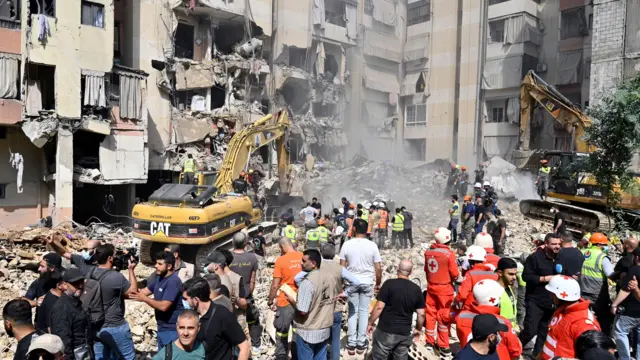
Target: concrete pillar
(64,177)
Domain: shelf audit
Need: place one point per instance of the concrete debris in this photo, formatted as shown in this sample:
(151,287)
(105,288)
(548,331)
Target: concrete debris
(209,161)
(40,130)
(250,48)
(198,75)
(508,180)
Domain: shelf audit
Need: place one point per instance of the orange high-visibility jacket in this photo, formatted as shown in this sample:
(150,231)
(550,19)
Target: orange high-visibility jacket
(567,323)
(441,269)
(509,347)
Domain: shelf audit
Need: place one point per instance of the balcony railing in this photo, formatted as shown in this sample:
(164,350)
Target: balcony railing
(9,24)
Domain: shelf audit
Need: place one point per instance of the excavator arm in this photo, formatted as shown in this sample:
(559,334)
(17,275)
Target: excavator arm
(264,131)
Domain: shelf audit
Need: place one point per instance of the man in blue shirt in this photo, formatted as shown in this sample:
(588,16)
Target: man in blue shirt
(167,298)
(468,220)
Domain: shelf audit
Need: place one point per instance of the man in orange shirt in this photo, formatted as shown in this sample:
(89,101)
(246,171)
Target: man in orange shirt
(286,268)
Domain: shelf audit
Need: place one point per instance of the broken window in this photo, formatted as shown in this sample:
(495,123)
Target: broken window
(573,23)
(368,7)
(416,115)
(418,12)
(335,12)
(183,41)
(46,7)
(3,132)
(9,76)
(496,31)
(192,99)
(497,111)
(298,57)
(41,93)
(92,14)
(10,14)
(227,36)
(323,110)
(416,149)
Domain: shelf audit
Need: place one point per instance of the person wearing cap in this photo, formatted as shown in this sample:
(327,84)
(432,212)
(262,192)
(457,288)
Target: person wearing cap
(542,182)
(240,184)
(219,262)
(68,320)
(485,241)
(48,346)
(594,283)
(486,332)
(408,217)
(571,318)
(479,271)
(487,295)
(468,222)
(18,324)
(50,263)
(441,272)
(507,275)
(538,271)
(463,181)
(43,311)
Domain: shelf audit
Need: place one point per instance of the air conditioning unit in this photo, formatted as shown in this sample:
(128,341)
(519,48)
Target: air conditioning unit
(541,68)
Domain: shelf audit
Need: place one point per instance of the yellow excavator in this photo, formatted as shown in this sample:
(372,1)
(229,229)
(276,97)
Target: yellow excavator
(202,218)
(574,192)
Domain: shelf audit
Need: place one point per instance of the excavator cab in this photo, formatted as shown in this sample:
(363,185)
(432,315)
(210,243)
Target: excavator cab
(205,178)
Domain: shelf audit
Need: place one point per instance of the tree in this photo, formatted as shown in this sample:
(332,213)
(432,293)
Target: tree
(615,133)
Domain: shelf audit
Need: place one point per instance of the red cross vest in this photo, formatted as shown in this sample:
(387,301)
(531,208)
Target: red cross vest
(567,323)
(436,265)
(476,274)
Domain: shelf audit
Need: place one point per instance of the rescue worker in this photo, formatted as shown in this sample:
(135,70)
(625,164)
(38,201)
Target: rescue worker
(468,220)
(569,321)
(485,241)
(542,182)
(372,222)
(596,270)
(322,231)
(397,230)
(349,221)
(463,182)
(346,204)
(313,237)
(478,271)
(290,231)
(189,170)
(507,275)
(240,184)
(365,213)
(480,173)
(454,217)
(490,198)
(441,269)
(451,179)
(487,296)
(382,230)
(408,218)
(478,191)
(522,289)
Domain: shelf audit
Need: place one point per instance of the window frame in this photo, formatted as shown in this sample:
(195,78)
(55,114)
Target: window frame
(84,3)
(580,11)
(494,32)
(414,15)
(415,110)
(493,105)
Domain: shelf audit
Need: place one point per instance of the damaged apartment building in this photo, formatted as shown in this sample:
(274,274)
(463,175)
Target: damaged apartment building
(73,124)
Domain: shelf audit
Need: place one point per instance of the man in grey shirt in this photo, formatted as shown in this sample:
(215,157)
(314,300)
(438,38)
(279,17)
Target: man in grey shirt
(407,225)
(215,283)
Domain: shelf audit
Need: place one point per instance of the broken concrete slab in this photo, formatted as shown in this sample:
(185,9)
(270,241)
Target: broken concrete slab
(40,130)
(198,76)
(96,125)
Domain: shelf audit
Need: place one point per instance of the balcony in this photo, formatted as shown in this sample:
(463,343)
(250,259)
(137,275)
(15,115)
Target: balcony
(507,72)
(498,9)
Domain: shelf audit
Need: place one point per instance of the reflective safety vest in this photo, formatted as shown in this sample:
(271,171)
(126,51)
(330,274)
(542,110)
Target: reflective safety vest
(456,211)
(521,281)
(324,233)
(436,265)
(398,223)
(349,226)
(508,307)
(383,219)
(544,171)
(189,166)
(313,235)
(593,278)
(365,215)
(567,323)
(290,232)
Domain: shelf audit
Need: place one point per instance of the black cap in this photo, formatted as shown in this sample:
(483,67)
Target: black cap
(72,275)
(217,258)
(486,324)
(53,259)
(507,263)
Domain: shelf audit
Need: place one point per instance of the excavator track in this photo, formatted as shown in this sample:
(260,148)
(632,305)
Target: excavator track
(579,219)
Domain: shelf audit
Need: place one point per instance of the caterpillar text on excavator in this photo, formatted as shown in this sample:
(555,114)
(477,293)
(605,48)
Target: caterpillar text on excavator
(574,192)
(202,218)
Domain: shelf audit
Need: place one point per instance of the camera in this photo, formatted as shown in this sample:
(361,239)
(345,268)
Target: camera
(123,256)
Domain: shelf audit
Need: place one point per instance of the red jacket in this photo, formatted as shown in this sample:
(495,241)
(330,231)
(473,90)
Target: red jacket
(441,268)
(492,258)
(567,323)
(477,273)
(509,347)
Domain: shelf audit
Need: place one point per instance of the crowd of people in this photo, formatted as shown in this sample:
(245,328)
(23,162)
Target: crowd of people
(557,295)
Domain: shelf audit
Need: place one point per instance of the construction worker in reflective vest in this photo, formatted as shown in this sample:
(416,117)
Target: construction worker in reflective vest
(571,318)
(397,230)
(365,213)
(313,237)
(349,221)
(442,271)
(479,271)
(522,289)
(487,296)
(596,270)
(290,231)
(454,215)
(507,275)
(323,232)
(189,170)
(485,241)
(542,182)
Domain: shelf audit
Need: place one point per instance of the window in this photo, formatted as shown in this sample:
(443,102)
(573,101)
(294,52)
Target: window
(418,12)
(590,21)
(46,7)
(497,111)
(3,191)
(10,14)
(183,41)
(40,88)
(573,23)
(416,149)
(416,115)
(496,31)
(335,12)
(116,38)
(92,14)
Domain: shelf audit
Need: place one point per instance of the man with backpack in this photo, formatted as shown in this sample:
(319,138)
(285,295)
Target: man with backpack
(103,299)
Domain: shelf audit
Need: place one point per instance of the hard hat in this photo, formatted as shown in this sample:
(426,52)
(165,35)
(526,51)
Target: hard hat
(242,173)
(442,235)
(486,183)
(457,166)
(464,168)
(484,240)
(453,166)
(543,161)
(598,238)
(467,198)
(477,185)
(488,292)
(350,213)
(320,221)
(341,210)
(250,171)
(476,253)
(375,203)
(564,287)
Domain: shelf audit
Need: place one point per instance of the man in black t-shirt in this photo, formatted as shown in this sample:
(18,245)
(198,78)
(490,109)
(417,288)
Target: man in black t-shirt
(627,309)
(625,263)
(398,299)
(316,205)
(43,312)
(559,222)
(219,328)
(498,231)
(17,323)
(569,261)
(40,287)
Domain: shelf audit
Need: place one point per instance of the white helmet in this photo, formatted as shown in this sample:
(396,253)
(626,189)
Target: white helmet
(350,213)
(484,240)
(442,235)
(375,203)
(564,287)
(341,211)
(477,185)
(488,292)
(486,183)
(477,253)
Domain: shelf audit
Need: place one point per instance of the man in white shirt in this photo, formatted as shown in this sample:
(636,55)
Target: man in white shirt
(309,215)
(361,257)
